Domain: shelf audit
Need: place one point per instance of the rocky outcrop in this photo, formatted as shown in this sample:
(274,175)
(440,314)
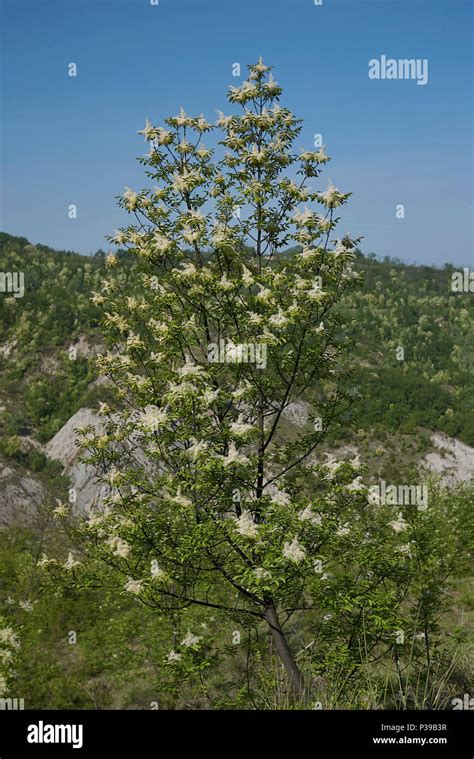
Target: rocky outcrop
(20,496)
(63,448)
(82,477)
(297,413)
(453,460)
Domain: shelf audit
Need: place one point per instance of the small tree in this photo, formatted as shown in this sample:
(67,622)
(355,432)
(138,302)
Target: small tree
(229,315)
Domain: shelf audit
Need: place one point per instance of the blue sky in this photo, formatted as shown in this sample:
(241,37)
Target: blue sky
(73,140)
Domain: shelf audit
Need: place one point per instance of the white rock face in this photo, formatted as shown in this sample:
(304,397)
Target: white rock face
(20,497)
(63,447)
(85,349)
(297,413)
(454,461)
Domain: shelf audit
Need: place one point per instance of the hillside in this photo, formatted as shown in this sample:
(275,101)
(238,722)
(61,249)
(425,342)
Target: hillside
(50,336)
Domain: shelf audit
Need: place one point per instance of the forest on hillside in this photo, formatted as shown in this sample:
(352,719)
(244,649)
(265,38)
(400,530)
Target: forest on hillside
(399,305)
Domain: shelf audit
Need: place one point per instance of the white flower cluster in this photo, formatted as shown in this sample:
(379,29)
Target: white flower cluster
(120,547)
(240,428)
(61,509)
(71,562)
(399,524)
(233,456)
(9,638)
(307,515)
(44,561)
(156,572)
(9,644)
(246,526)
(133,586)
(153,418)
(280,498)
(294,551)
(356,485)
(190,640)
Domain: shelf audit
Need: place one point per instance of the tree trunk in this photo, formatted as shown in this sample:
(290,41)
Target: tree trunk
(294,675)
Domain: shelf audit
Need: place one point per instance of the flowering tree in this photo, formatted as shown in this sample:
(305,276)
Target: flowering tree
(213,333)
